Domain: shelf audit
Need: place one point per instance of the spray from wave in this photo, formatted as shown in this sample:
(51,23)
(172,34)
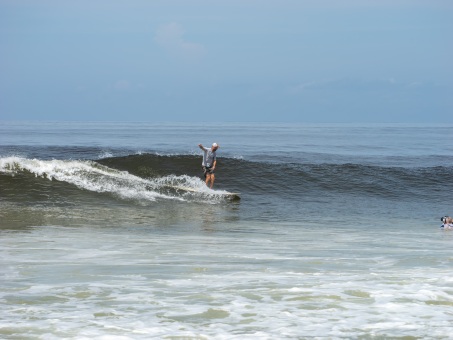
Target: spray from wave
(95,177)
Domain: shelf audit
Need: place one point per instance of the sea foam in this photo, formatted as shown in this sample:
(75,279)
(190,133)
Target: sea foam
(86,175)
(92,176)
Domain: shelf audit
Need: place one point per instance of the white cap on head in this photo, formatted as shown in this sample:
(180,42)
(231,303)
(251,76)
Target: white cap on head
(215,145)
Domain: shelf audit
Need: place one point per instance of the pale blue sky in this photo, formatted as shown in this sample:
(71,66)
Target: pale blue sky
(237,60)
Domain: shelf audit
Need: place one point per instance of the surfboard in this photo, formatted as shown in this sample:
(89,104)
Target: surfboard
(229,195)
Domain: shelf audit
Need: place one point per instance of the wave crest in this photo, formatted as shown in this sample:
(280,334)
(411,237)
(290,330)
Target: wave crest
(92,176)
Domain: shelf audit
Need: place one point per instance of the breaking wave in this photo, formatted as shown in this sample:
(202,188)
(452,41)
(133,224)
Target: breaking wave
(94,177)
(149,177)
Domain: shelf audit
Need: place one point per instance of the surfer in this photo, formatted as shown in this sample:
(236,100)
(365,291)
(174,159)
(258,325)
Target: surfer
(209,163)
(447,222)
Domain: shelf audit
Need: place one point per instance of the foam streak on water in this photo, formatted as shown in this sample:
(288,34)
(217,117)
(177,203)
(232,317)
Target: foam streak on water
(245,281)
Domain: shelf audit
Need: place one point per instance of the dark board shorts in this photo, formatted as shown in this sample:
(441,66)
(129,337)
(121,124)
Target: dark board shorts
(207,170)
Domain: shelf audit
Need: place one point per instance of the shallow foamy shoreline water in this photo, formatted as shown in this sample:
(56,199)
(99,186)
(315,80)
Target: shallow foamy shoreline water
(245,281)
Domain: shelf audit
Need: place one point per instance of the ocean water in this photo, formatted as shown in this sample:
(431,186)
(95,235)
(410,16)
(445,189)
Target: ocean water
(336,234)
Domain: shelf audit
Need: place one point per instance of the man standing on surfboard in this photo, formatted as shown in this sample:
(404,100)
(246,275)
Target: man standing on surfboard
(209,163)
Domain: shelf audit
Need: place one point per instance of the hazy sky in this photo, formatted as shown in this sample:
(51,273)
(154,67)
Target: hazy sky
(236,60)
